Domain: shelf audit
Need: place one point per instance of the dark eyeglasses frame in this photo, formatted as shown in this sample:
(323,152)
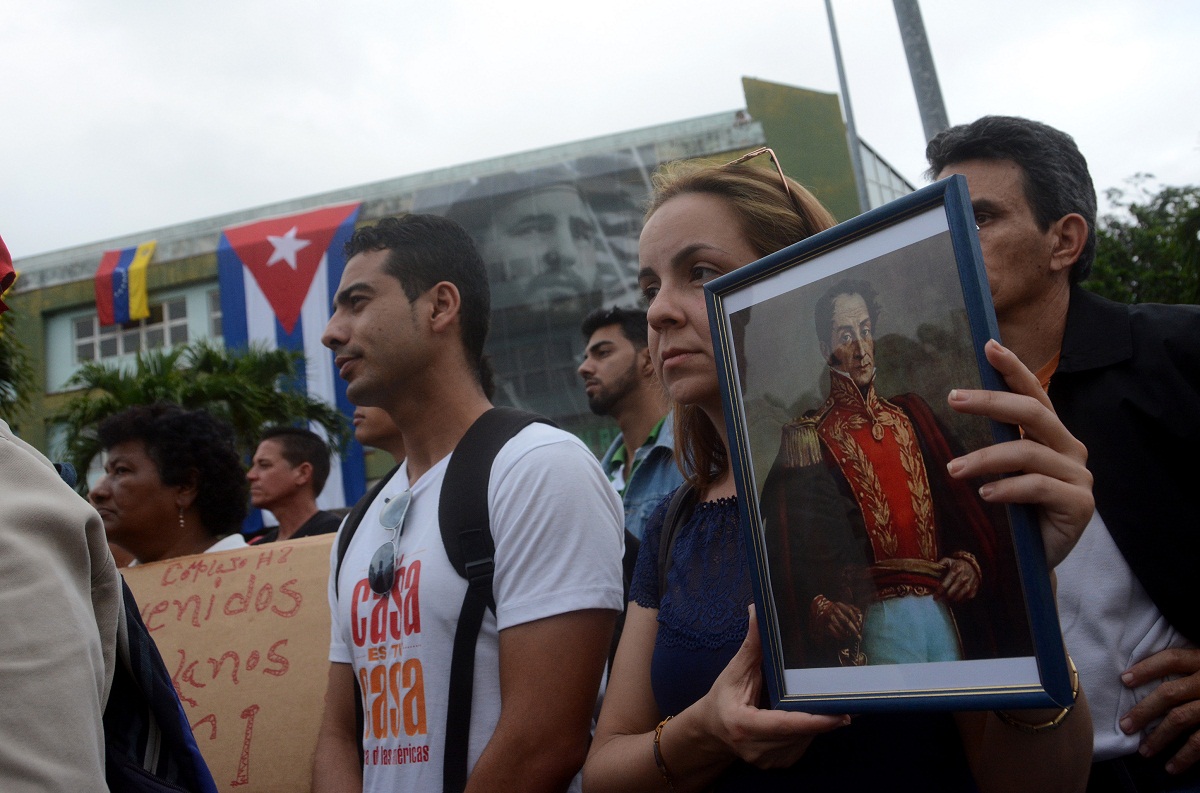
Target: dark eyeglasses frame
(750,155)
(381,575)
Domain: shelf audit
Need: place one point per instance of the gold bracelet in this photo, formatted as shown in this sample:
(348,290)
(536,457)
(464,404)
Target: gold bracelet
(1058,719)
(658,758)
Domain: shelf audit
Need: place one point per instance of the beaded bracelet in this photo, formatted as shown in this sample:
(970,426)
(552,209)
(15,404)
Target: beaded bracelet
(1059,718)
(658,758)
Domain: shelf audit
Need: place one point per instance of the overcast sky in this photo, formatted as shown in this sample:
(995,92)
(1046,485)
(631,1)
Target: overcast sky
(126,116)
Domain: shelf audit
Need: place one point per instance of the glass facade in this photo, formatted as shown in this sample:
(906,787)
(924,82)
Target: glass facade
(884,184)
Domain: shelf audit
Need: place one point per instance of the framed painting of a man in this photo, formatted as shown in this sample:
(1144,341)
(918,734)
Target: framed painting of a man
(881,581)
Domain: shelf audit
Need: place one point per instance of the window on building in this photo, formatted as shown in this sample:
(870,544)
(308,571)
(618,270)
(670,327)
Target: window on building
(214,314)
(165,327)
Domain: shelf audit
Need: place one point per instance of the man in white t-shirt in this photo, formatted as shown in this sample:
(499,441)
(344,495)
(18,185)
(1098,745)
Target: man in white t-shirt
(410,319)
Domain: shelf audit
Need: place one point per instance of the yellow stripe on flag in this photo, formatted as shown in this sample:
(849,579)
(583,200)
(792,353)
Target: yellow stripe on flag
(139,306)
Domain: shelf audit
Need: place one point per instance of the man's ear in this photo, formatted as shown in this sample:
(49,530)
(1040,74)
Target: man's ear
(826,353)
(445,304)
(304,472)
(645,365)
(1070,235)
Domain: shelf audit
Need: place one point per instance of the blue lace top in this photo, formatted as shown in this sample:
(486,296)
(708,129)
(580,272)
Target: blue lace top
(702,621)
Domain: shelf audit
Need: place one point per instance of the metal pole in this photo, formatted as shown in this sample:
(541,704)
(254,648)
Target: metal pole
(920,67)
(860,181)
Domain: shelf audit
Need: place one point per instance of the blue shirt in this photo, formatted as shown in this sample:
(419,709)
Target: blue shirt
(702,621)
(653,476)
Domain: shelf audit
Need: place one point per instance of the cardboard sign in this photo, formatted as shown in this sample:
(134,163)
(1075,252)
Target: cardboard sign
(245,636)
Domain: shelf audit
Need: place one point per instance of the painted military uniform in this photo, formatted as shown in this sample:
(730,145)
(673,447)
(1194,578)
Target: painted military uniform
(859,510)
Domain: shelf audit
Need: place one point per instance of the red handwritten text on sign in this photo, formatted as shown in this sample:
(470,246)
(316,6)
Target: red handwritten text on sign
(245,635)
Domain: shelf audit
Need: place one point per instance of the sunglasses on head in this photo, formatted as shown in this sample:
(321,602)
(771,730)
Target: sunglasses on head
(775,161)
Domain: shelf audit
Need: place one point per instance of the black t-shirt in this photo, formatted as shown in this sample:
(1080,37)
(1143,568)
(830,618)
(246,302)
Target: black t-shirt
(321,522)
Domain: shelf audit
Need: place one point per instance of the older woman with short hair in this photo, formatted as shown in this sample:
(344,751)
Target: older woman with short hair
(173,482)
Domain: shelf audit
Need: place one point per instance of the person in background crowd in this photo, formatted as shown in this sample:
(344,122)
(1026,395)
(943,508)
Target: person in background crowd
(173,484)
(374,427)
(122,557)
(1125,380)
(681,710)
(620,382)
(287,474)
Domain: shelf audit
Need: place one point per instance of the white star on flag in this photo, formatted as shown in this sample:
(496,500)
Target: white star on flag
(286,247)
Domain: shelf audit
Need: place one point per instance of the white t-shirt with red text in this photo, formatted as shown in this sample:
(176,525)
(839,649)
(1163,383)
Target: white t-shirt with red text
(558,531)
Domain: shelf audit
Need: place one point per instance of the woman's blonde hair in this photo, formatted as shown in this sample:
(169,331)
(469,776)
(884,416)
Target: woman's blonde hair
(770,221)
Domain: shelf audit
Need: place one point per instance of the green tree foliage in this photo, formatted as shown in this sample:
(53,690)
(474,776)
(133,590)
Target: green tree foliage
(1147,248)
(248,388)
(16,371)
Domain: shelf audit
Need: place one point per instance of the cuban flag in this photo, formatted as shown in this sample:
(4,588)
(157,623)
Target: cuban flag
(121,294)
(277,279)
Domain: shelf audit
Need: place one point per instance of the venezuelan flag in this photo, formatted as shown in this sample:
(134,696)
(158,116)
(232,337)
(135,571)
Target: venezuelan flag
(121,284)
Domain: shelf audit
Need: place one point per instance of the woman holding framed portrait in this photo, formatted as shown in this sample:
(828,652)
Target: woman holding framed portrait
(681,710)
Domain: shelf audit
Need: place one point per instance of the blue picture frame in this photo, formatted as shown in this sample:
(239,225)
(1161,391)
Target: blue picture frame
(828,565)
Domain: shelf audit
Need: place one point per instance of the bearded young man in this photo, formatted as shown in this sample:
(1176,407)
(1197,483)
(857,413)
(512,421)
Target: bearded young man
(620,382)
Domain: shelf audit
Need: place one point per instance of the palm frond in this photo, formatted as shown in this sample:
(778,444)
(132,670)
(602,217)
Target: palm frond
(250,388)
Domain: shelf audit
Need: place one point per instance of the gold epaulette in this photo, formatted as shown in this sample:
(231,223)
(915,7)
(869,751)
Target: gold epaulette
(799,444)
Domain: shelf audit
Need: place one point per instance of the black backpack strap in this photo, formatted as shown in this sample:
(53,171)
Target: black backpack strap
(347,532)
(467,536)
(628,563)
(680,508)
